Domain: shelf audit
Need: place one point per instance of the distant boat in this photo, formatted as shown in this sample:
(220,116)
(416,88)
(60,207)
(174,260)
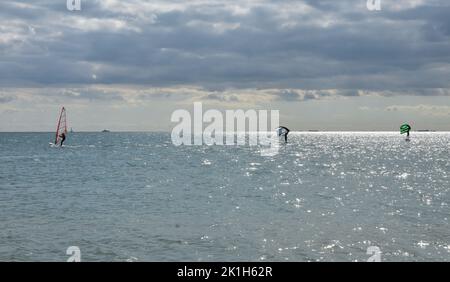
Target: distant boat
(105,130)
(71,130)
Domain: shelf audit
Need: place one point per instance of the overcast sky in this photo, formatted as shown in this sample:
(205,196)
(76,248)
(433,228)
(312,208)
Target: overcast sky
(127,64)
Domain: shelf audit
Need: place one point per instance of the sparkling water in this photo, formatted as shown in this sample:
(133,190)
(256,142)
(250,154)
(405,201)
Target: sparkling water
(136,197)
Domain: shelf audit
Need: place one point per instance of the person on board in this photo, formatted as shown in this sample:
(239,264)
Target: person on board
(283,131)
(63,138)
(406,128)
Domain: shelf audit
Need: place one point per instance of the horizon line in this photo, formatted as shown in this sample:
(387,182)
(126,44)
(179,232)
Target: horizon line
(292,131)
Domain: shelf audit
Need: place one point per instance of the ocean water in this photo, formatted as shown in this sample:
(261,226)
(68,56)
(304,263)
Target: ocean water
(136,197)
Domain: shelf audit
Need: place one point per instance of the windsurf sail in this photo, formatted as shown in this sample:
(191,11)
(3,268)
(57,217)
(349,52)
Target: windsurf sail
(282,131)
(405,129)
(62,126)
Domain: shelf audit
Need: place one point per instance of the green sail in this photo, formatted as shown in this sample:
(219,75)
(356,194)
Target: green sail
(405,128)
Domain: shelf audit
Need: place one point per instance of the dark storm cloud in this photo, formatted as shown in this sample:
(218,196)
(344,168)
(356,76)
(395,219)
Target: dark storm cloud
(309,45)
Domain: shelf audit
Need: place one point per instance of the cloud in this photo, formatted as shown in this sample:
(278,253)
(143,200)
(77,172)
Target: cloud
(289,95)
(89,94)
(292,95)
(349,93)
(6,99)
(432,110)
(221,97)
(311,45)
(435,92)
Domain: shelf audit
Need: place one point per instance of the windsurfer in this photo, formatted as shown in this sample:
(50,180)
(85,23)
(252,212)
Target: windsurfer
(406,128)
(283,131)
(63,138)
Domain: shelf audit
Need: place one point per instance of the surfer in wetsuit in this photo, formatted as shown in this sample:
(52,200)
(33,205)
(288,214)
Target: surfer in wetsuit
(283,131)
(63,138)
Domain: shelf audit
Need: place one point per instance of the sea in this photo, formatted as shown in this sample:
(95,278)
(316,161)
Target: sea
(326,196)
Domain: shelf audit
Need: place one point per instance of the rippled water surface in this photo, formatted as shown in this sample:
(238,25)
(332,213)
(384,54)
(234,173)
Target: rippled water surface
(136,197)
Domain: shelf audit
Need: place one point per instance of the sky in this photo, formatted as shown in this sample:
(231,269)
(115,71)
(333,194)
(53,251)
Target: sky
(126,65)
